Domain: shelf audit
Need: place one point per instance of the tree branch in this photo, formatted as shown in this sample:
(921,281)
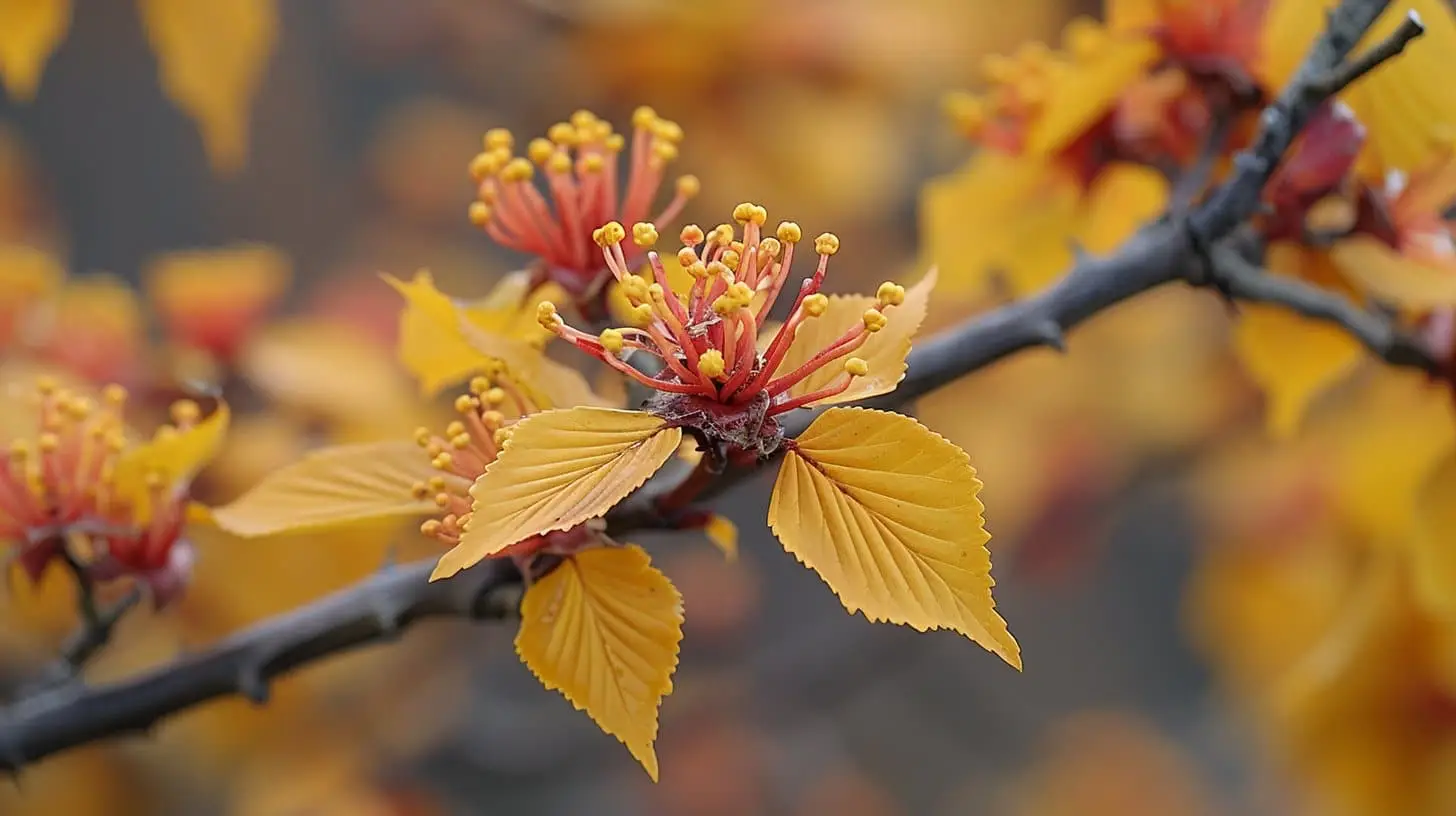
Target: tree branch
(1168,251)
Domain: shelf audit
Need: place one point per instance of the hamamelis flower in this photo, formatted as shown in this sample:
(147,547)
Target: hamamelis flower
(431,476)
(882,508)
(578,160)
(81,485)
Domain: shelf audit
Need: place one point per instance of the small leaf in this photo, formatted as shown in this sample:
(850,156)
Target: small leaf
(1078,99)
(885,350)
(332,486)
(1385,274)
(550,383)
(603,629)
(212,57)
(1121,198)
(175,455)
(724,534)
(1433,546)
(559,469)
(885,510)
(431,344)
(30,31)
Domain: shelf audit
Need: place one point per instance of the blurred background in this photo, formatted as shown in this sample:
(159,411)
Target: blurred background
(1151,543)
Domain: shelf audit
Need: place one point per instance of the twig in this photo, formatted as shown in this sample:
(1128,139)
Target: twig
(1168,251)
(93,634)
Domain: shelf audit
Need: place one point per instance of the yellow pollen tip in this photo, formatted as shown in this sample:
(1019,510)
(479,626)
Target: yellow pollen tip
(697,269)
(442,461)
(635,288)
(479,385)
(560,163)
(770,247)
(614,142)
(890,294)
(518,169)
(692,235)
(656,293)
(741,292)
(668,130)
(816,304)
(495,396)
(717,269)
(546,315)
(19,450)
(464,404)
(498,139)
(430,527)
(644,234)
(593,164)
(583,118)
(460,441)
(710,363)
(48,442)
(493,419)
(686,257)
(562,133)
(483,166)
(479,213)
(454,429)
(644,117)
(664,151)
(688,186)
(826,244)
(503,437)
(856,367)
(442,500)
(641,315)
(419,491)
(185,412)
(436,483)
(539,150)
(724,305)
(730,259)
(611,232)
(789,232)
(611,340)
(114,395)
(874,320)
(743,213)
(46,386)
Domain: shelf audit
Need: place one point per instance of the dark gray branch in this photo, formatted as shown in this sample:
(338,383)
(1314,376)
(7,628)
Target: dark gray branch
(1171,250)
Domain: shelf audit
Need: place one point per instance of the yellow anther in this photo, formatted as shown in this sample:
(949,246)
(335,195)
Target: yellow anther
(503,437)
(730,259)
(442,461)
(873,320)
(789,232)
(479,385)
(769,248)
(721,234)
(479,213)
(664,151)
(641,315)
(611,232)
(657,293)
(724,305)
(890,294)
(691,235)
(434,449)
(741,292)
(615,142)
(611,340)
(688,186)
(644,117)
(697,269)
(430,527)
(185,412)
(436,483)
(559,163)
(48,442)
(644,234)
(717,269)
(546,315)
(483,166)
(710,363)
(562,133)
(460,441)
(827,243)
(686,257)
(493,419)
(455,428)
(46,386)
(114,395)
(80,408)
(442,500)
(583,118)
(518,169)
(668,130)
(635,288)
(498,139)
(19,450)
(743,213)
(419,491)
(816,305)
(495,396)
(539,150)
(593,164)
(856,367)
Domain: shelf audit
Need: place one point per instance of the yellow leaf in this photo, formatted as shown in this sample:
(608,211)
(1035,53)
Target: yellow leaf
(724,534)
(549,383)
(1076,101)
(1132,16)
(1384,273)
(330,487)
(1433,546)
(559,469)
(174,455)
(886,511)
(1293,359)
(1120,199)
(30,30)
(603,629)
(431,344)
(212,58)
(885,350)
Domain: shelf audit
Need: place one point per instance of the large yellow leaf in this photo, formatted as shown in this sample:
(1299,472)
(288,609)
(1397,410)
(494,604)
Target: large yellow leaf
(30,30)
(1386,274)
(212,58)
(174,455)
(885,350)
(550,383)
(886,511)
(1087,93)
(1293,359)
(431,345)
(1433,545)
(560,469)
(603,629)
(330,487)
(1122,198)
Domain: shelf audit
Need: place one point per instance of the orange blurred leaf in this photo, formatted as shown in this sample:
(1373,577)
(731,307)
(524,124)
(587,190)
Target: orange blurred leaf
(30,31)
(886,511)
(559,469)
(1384,273)
(174,455)
(603,629)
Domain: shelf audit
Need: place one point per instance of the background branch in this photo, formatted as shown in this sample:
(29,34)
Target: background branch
(1174,249)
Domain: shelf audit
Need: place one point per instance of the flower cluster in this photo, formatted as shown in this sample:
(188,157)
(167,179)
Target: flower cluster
(579,160)
(81,487)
